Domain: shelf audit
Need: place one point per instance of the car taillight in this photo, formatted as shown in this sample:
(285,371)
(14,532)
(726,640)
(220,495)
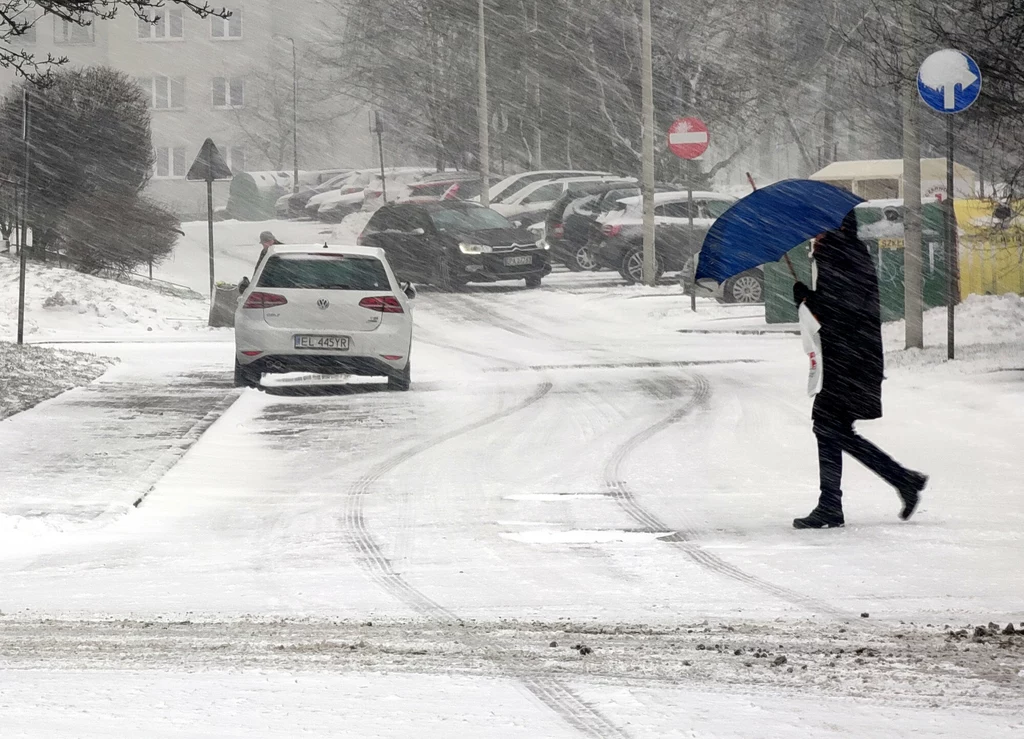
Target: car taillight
(382,304)
(374,193)
(611,230)
(558,230)
(264,300)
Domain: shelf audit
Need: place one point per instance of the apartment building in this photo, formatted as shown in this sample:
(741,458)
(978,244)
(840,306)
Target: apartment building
(226,79)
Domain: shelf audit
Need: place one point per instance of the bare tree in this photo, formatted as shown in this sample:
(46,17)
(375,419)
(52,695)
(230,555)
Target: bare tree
(18,16)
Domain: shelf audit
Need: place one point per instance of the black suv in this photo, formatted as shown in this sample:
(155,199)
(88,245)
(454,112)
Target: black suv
(451,242)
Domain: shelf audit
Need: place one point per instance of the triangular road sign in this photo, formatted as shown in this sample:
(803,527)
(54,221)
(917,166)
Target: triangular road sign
(209,165)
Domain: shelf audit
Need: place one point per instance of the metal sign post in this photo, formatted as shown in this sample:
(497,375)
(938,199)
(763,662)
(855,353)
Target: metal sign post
(377,127)
(949,82)
(208,166)
(688,138)
(22,251)
(689,245)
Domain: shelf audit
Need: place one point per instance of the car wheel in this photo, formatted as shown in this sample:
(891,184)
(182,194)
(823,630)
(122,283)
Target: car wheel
(446,279)
(584,259)
(632,269)
(403,380)
(533,281)
(245,377)
(747,287)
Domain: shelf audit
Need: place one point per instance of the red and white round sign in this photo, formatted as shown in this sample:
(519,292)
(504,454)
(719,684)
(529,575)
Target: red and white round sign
(688,138)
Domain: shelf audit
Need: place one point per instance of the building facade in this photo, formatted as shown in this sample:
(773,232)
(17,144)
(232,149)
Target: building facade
(225,79)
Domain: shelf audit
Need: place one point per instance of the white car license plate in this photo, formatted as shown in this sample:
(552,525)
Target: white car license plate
(517,261)
(337,343)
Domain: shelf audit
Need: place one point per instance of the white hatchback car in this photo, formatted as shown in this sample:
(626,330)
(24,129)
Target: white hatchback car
(324,309)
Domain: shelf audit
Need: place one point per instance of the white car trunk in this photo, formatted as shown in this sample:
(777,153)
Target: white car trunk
(324,310)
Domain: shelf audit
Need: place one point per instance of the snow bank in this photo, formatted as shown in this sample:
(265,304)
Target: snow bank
(62,303)
(236,246)
(980,319)
(31,374)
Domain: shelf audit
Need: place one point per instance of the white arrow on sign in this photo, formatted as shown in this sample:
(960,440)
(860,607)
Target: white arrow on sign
(945,70)
(688,137)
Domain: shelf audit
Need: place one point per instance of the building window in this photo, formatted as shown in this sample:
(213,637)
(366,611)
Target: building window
(170,162)
(235,158)
(170,24)
(65,32)
(165,93)
(227,28)
(228,92)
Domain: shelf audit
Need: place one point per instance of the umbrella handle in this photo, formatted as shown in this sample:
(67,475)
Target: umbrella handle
(790,265)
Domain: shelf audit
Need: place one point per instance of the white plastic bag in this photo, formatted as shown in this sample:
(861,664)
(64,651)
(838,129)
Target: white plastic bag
(809,328)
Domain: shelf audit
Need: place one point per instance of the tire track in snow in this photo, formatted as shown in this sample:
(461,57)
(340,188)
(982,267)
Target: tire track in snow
(550,691)
(684,537)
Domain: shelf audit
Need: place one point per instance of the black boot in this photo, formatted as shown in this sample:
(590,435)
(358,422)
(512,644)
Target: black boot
(910,493)
(821,518)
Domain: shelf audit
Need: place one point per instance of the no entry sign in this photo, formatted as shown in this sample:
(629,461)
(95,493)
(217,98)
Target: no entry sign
(688,138)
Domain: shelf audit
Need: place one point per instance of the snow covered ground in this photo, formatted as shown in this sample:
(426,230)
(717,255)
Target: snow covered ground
(30,375)
(576,524)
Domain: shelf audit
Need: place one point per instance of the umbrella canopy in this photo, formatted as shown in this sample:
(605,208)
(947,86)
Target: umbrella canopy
(766,224)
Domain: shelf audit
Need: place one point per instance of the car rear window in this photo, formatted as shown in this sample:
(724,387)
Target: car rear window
(430,189)
(324,272)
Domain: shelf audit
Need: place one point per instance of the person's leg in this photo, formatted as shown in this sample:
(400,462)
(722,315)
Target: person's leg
(830,467)
(873,458)
(908,483)
(829,511)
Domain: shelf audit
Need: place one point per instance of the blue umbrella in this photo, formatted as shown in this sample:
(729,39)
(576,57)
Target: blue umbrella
(768,223)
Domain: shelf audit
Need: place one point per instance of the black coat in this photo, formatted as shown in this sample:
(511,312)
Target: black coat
(846,304)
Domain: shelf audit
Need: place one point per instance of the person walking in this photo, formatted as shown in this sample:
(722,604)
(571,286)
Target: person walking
(845,302)
(267,240)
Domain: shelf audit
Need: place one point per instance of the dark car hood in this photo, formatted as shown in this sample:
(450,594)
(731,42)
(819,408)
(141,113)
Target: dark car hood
(496,237)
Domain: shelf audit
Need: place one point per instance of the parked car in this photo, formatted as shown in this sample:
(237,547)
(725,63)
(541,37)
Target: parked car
(363,191)
(621,245)
(449,243)
(464,186)
(324,309)
(397,183)
(354,183)
(532,202)
(512,184)
(571,225)
(293,205)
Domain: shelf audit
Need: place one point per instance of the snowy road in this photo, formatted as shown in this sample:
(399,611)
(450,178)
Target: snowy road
(570,467)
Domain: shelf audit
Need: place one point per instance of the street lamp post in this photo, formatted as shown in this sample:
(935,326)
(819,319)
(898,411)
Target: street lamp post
(295,114)
(295,119)
(482,113)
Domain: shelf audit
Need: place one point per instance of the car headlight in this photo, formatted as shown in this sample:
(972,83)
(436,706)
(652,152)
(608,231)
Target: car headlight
(543,244)
(474,248)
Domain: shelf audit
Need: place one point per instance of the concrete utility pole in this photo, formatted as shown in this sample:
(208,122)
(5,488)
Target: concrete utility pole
(650,259)
(295,119)
(913,280)
(485,120)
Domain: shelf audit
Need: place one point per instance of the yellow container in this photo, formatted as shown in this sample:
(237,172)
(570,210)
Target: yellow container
(991,250)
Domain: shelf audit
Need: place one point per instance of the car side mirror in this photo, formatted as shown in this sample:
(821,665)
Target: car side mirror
(243,285)
(408,289)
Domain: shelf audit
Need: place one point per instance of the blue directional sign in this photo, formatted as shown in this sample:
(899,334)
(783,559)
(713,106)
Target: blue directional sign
(949,81)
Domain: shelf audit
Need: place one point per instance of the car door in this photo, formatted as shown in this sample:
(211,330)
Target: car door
(420,249)
(672,221)
(537,201)
(387,231)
